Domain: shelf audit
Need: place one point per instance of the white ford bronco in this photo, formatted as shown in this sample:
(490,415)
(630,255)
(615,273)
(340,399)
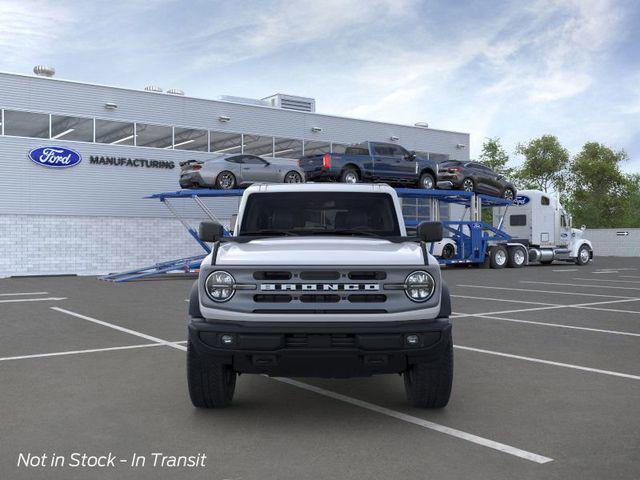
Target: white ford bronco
(320,280)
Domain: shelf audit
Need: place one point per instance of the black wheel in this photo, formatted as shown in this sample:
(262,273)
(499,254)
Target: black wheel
(508,194)
(499,257)
(584,255)
(349,175)
(293,177)
(468,185)
(517,257)
(225,180)
(211,385)
(448,251)
(427,181)
(428,385)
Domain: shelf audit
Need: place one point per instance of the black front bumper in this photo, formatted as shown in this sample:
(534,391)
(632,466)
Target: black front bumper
(320,350)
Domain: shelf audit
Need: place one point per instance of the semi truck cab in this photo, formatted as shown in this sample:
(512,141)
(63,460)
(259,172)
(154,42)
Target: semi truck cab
(538,221)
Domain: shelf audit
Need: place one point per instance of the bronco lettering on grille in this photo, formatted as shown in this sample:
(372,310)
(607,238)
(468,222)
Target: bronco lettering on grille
(314,287)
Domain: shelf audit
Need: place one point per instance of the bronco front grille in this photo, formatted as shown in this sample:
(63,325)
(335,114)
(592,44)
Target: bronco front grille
(301,340)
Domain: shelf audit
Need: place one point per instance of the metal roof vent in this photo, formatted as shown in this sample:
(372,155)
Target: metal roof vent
(44,71)
(175,91)
(153,88)
(291,102)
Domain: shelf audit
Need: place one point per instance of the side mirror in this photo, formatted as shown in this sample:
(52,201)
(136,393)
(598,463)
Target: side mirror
(430,231)
(210,232)
(410,156)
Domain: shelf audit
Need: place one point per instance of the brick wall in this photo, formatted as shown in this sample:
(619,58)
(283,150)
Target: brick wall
(611,242)
(50,245)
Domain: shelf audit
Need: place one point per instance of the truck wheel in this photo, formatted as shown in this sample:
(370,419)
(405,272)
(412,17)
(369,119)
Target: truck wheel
(584,255)
(211,385)
(428,385)
(426,181)
(517,257)
(225,180)
(499,257)
(349,175)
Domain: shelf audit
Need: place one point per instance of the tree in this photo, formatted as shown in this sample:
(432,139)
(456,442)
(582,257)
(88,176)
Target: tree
(545,164)
(600,194)
(494,156)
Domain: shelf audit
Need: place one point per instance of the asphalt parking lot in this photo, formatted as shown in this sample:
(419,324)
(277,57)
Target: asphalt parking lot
(547,385)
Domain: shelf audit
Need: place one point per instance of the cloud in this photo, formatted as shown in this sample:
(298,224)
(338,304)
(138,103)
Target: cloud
(30,29)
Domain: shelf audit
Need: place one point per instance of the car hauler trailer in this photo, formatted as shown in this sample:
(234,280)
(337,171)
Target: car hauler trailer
(539,222)
(473,241)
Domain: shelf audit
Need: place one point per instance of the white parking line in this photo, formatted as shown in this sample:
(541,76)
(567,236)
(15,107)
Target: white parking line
(558,325)
(616,310)
(18,300)
(605,280)
(589,305)
(121,329)
(506,300)
(392,413)
(566,270)
(469,437)
(629,276)
(23,293)
(549,362)
(77,352)
(581,285)
(528,290)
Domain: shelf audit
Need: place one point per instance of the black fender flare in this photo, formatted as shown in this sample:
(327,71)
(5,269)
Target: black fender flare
(445,302)
(194,302)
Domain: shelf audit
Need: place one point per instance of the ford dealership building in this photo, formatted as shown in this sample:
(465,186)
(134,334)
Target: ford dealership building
(119,145)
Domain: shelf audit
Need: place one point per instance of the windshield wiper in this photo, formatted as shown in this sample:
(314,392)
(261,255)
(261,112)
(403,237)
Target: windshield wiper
(364,233)
(266,231)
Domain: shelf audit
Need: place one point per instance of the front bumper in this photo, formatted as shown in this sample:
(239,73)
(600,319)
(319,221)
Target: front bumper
(330,350)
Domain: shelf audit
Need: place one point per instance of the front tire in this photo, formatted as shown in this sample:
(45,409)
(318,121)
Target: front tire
(448,251)
(427,181)
(584,255)
(293,177)
(225,180)
(211,385)
(508,194)
(349,175)
(428,385)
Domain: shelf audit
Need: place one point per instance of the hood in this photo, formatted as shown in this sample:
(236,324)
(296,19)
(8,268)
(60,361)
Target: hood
(320,251)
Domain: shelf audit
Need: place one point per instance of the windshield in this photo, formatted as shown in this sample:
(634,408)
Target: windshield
(318,213)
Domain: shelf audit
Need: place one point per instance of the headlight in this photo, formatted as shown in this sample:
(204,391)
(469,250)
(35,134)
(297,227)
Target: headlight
(220,286)
(419,286)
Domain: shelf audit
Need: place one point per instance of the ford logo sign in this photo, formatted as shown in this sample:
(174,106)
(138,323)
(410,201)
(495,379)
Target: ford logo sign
(55,157)
(521,200)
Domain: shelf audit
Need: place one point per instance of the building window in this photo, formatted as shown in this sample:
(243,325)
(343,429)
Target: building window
(225,142)
(115,133)
(287,148)
(316,148)
(26,124)
(190,139)
(157,136)
(257,145)
(545,200)
(338,148)
(71,128)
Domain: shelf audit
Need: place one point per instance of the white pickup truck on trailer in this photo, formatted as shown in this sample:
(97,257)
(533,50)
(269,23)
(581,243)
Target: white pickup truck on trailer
(541,226)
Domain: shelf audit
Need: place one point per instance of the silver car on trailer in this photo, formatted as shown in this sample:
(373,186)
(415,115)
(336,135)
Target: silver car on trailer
(239,170)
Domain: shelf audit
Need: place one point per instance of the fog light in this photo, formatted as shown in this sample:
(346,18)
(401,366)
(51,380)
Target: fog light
(226,339)
(412,339)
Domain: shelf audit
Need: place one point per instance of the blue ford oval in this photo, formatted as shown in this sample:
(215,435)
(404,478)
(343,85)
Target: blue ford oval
(55,157)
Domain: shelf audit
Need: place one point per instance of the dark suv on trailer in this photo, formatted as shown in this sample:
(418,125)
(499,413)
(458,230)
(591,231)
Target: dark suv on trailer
(474,177)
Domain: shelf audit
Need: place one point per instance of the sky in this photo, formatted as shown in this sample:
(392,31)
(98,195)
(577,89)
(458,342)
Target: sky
(509,69)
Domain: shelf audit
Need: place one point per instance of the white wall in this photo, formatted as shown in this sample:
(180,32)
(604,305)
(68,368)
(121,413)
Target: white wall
(611,242)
